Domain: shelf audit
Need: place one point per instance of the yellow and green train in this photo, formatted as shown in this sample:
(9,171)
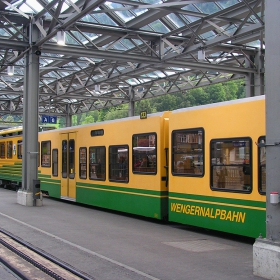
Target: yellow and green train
(200,166)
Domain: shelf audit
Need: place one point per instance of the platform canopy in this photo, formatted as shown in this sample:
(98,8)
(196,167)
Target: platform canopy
(120,51)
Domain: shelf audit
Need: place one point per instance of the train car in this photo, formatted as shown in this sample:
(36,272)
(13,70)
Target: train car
(203,166)
(11,157)
(117,165)
(217,170)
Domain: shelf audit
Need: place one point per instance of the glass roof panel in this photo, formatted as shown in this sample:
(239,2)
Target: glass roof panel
(70,40)
(82,38)
(176,20)
(152,1)
(125,15)
(207,8)
(128,43)
(28,7)
(146,28)
(139,12)
(255,44)
(103,18)
(158,26)
(226,4)
(119,46)
(208,35)
(89,18)
(35,5)
(4,33)
(191,8)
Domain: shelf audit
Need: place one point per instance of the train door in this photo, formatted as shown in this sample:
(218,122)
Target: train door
(68,172)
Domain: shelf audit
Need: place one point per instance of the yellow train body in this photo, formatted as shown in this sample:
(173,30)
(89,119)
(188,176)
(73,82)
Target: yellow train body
(198,199)
(199,166)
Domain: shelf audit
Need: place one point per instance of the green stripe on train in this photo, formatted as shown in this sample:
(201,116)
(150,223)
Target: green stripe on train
(236,216)
(11,172)
(135,201)
(140,202)
(52,186)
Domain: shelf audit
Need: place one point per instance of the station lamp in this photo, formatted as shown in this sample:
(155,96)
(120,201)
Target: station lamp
(61,37)
(10,70)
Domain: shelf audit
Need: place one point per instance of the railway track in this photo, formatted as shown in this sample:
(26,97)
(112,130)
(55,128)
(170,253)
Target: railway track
(29,262)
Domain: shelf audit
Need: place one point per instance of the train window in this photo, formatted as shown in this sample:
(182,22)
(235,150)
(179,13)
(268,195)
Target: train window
(83,163)
(97,132)
(2,150)
(55,162)
(39,155)
(9,149)
(144,153)
(19,149)
(97,163)
(188,152)
(230,166)
(71,159)
(46,153)
(262,165)
(64,172)
(118,163)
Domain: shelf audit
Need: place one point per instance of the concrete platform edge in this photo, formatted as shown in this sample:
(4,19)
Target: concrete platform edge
(266,259)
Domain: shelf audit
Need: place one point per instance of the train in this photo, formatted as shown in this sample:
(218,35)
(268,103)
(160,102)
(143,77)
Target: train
(203,166)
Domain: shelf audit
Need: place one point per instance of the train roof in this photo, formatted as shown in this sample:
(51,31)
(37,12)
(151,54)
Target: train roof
(223,103)
(11,131)
(158,114)
(17,130)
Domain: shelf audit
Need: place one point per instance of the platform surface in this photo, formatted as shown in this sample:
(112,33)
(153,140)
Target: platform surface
(113,246)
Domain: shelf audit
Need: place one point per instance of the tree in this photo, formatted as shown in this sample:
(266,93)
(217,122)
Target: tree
(198,96)
(240,93)
(88,119)
(216,93)
(143,105)
(231,88)
(165,103)
(117,112)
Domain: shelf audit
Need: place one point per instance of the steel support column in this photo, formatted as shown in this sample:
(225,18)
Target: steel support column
(30,125)
(255,81)
(267,250)
(68,117)
(131,102)
(259,77)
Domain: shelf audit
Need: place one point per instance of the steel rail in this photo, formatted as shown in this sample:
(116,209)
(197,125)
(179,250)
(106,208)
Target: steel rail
(34,262)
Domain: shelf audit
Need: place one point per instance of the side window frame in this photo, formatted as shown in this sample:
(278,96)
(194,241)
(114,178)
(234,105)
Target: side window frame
(188,152)
(231,165)
(46,153)
(144,153)
(55,162)
(64,158)
(3,150)
(262,165)
(39,154)
(71,157)
(119,163)
(97,163)
(9,149)
(19,149)
(83,163)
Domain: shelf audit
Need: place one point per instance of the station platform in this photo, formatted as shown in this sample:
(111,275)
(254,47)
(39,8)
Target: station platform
(114,246)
